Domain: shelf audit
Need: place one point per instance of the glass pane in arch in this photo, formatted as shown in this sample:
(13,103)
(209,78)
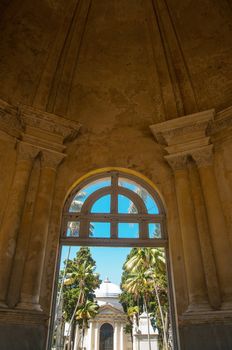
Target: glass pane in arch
(86,191)
(154,230)
(99,230)
(102,205)
(73,228)
(126,206)
(150,203)
(128,230)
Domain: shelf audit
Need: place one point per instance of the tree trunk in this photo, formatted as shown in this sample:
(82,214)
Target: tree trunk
(71,321)
(162,318)
(83,337)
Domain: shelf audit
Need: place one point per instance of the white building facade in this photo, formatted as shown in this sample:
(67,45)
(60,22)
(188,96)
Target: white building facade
(106,330)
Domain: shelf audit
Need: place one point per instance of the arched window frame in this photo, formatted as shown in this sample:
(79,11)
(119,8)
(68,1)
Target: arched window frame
(85,217)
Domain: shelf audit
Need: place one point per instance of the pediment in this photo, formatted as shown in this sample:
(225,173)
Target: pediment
(109,310)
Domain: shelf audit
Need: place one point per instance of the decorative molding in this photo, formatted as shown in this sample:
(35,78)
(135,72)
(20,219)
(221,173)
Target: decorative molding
(10,122)
(50,123)
(201,317)
(221,129)
(37,127)
(223,120)
(183,135)
(21,317)
(177,161)
(51,159)
(203,156)
(26,151)
(186,137)
(193,125)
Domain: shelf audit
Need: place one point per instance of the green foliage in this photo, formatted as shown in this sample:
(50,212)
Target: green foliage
(81,281)
(144,285)
(85,312)
(128,328)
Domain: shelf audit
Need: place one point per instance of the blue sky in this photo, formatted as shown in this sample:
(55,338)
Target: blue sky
(109,261)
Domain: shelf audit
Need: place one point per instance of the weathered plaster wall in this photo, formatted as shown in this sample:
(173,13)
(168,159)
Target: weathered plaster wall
(109,54)
(116,67)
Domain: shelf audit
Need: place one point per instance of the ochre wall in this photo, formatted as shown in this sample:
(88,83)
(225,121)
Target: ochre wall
(115,67)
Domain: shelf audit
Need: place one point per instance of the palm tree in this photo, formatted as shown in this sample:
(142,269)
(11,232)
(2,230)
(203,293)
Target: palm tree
(84,313)
(145,266)
(82,277)
(153,274)
(138,284)
(145,258)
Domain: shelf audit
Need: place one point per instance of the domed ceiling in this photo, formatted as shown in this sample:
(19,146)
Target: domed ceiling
(116,63)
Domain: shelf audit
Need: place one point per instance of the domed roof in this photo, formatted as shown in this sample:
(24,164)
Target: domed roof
(108,289)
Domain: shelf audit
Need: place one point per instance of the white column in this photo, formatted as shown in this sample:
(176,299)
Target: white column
(121,337)
(116,336)
(77,337)
(96,336)
(90,335)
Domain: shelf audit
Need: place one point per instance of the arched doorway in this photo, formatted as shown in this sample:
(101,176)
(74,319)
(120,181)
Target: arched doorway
(114,209)
(106,337)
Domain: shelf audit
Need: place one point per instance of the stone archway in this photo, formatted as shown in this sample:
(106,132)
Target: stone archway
(82,217)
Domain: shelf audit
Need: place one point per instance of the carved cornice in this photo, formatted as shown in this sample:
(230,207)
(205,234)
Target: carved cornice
(181,130)
(50,123)
(203,156)
(223,120)
(30,124)
(10,122)
(221,129)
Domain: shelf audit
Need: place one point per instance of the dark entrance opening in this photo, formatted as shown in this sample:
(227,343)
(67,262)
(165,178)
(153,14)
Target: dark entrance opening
(106,337)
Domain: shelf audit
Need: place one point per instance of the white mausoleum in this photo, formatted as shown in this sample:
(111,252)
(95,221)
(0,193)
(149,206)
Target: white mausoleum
(106,330)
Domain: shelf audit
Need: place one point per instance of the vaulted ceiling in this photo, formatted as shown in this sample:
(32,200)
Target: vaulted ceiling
(117,62)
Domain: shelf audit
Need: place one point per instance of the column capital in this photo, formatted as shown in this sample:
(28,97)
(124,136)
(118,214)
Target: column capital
(177,161)
(26,151)
(51,159)
(203,156)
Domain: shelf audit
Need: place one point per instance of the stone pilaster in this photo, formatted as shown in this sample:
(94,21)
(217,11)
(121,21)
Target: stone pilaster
(192,136)
(26,154)
(204,238)
(192,252)
(220,238)
(221,132)
(31,284)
